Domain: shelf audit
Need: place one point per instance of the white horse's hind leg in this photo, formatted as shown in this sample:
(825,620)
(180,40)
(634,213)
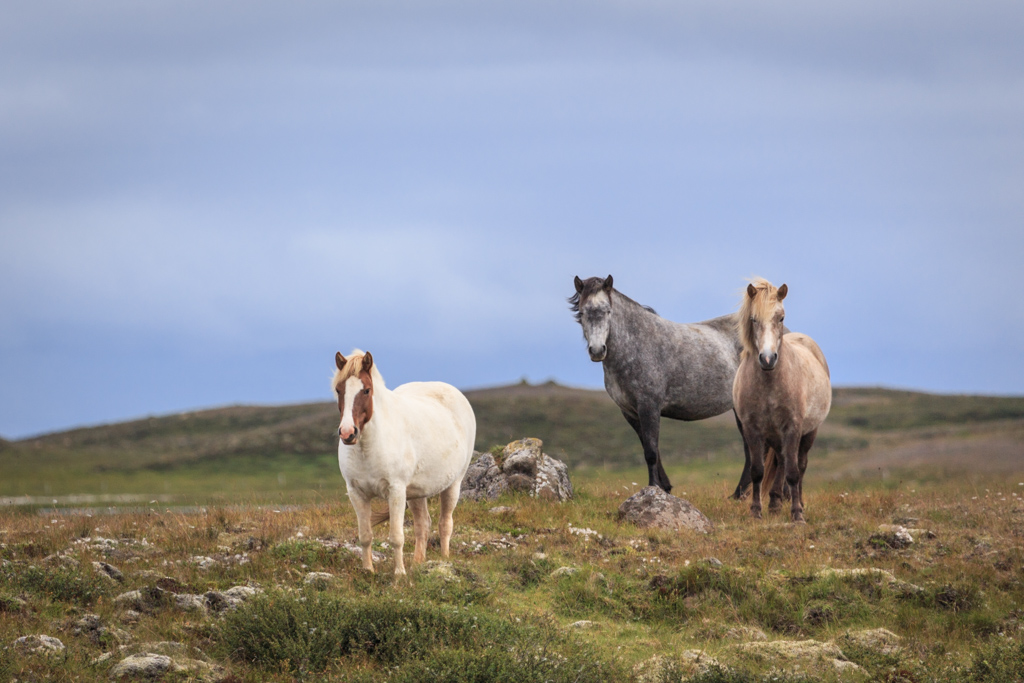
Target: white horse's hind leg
(449,498)
(421,525)
(396,506)
(362,508)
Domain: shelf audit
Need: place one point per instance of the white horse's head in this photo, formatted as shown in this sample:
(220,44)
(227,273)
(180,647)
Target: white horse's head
(760,320)
(353,384)
(592,304)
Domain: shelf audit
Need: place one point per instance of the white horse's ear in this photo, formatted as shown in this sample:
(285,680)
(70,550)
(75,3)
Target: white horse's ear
(579,284)
(367,362)
(783,291)
(339,360)
(751,291)
(608,284)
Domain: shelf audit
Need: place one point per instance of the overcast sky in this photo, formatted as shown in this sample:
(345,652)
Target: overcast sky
(201,202)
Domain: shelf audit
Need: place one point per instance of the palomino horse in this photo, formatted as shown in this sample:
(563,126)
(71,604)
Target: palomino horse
(782,394)
(404,445)
(656,368)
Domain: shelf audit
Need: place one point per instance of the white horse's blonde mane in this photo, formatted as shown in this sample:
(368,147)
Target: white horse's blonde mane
(353,366)
(759,307)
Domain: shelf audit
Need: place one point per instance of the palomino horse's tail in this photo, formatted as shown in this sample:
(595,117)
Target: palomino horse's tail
(379,517)
(771,470)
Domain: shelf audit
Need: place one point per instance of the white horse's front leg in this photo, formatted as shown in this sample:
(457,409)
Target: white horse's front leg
(362,508)
(396,508)
(421,524)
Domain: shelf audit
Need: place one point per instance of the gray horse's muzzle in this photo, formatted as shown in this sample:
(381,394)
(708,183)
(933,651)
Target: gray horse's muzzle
(597,355)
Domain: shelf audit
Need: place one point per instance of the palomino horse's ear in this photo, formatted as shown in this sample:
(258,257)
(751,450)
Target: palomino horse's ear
(608,284)
(751,291)
(579,284)
(783,291)
(339,360)
(367,362)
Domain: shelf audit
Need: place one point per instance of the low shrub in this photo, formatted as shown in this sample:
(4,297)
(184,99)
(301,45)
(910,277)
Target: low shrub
(308,633)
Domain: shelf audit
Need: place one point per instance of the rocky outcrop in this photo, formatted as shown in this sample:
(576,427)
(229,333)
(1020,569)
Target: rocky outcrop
(523,467)
(793,657)
(652,507)
(39,645)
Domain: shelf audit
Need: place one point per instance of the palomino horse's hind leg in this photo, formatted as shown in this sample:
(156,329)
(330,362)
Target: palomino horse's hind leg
(449,498)
(363,514)
(396,508)
(421,526)
(797,491)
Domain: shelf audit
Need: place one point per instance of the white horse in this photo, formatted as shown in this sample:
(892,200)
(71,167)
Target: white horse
(409,444)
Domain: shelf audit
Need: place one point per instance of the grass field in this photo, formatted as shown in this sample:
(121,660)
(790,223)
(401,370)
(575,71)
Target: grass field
(534,591)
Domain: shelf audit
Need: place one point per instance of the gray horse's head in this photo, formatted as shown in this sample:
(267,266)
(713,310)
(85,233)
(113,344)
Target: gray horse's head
(592,304)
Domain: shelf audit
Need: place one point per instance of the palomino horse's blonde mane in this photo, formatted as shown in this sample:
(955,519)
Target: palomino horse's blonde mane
(759,307)
(353,365)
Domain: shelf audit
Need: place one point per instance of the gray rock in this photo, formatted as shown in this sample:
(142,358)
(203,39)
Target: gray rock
(746,634)
(800,657)
(318,580)
(108,570)
(564,571)
(652,507)
(878,640)
(39,645)
(222,601)
(687,664)
(893,535)
(523,467)
(187,602)
(150,665)
(144,599)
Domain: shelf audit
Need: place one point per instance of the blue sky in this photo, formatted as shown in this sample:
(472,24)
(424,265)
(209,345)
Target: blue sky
(201,202)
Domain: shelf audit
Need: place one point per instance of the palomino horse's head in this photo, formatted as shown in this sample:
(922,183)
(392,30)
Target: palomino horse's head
(760,321)
(353,383)
(592,304)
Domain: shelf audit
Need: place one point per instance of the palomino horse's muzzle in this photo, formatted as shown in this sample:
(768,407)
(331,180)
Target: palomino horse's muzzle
(767,360)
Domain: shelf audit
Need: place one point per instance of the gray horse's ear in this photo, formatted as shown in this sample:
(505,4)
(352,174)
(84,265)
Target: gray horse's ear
(608,284)
(751,291)
(367,362)
(339,360)
(579,284)
(783,291)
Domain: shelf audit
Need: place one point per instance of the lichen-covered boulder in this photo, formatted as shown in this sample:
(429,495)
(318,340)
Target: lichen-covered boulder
(799,657)
(522,466)
(652,507)
(43,645)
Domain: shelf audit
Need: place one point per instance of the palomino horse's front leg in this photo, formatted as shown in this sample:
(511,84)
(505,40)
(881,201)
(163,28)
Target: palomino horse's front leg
(396,508)
(363,512)
(421,526)
(757,448)
(449,498)
(806,441)
(794,474)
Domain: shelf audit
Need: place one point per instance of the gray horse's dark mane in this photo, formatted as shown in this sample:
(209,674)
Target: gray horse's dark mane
(591,285)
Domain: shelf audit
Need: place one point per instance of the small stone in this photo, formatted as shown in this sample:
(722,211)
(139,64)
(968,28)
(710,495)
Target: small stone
(188,602)
(501,510)
(564,571)
(746,634)
(892,535)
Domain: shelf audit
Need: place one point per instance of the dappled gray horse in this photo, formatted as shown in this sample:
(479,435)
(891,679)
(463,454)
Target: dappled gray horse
(655,367)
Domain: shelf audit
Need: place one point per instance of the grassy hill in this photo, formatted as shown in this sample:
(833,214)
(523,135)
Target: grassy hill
(256,450)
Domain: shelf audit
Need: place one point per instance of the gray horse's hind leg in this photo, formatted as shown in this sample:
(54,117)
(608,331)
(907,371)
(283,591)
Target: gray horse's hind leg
(648,427)
(741,488)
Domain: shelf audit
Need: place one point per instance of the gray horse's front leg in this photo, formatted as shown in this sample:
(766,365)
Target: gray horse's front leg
(741,488)
(648,427)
